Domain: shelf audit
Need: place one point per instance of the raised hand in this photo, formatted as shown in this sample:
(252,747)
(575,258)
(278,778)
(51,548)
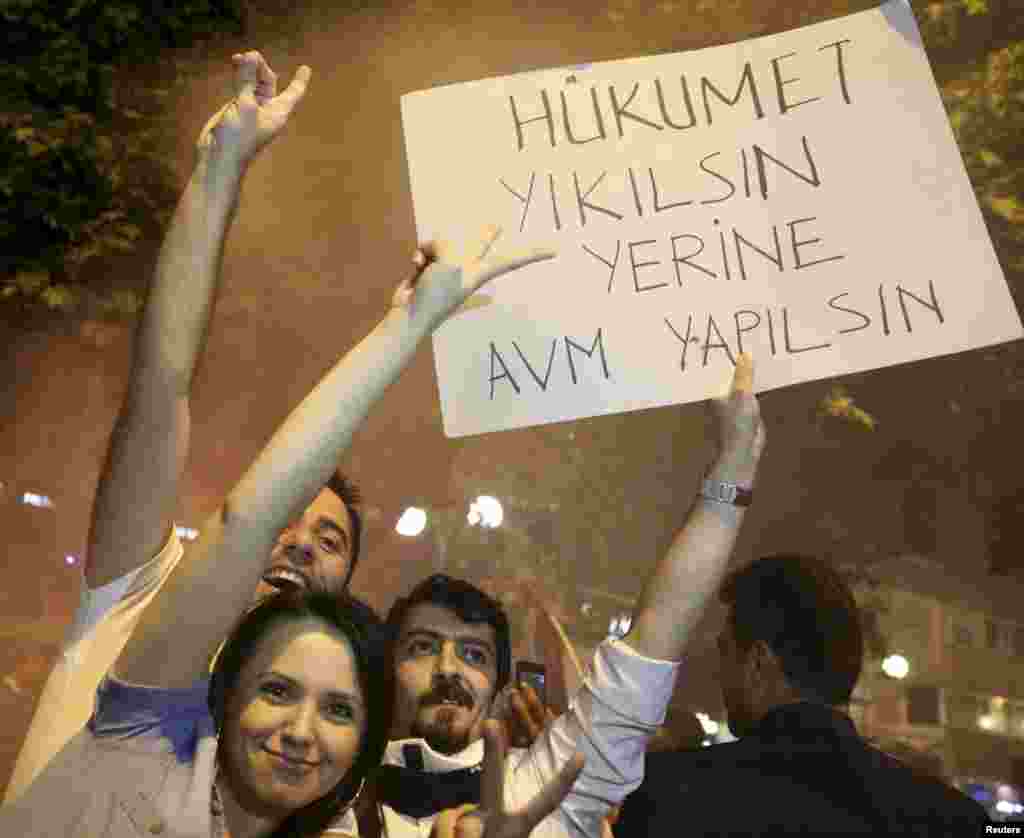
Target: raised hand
(447,274)
(491,819)
(525,716)
(257,114)
(740,428)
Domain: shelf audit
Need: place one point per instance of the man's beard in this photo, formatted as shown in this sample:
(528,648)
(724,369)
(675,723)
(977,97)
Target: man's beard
(440,733)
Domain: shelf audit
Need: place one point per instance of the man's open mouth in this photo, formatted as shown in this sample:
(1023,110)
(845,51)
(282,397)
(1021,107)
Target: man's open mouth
(286,579)
(449,700)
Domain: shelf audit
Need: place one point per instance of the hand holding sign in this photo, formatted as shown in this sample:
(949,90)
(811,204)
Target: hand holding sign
(491,819)
(447,275)
(740,427)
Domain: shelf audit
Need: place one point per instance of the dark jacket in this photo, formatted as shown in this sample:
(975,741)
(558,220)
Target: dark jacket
(804,770)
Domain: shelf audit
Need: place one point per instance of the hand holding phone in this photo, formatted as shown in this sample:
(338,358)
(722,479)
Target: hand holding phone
(529,672)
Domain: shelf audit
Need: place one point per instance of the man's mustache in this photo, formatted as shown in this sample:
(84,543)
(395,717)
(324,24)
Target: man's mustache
(451,691)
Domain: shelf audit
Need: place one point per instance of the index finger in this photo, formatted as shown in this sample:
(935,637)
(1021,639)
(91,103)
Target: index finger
(743,377)
(492,780)
(519,259)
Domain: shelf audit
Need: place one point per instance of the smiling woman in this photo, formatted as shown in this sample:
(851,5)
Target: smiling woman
(277,742)
(302,719)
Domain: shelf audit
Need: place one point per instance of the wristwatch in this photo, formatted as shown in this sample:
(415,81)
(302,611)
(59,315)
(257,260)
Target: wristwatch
(722,491)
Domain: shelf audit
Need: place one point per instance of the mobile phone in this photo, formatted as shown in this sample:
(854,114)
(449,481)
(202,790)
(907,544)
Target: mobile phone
(529,672)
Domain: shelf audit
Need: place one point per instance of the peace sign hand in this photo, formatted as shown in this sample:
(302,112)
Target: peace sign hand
(447,275)
(257,114)
(490,819)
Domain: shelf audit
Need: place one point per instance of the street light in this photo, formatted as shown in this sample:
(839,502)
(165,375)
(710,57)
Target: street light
(896,666)
(412,522)
(486,512)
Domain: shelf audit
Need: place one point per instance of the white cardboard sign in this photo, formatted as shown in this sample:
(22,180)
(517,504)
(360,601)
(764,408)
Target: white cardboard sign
(800,197)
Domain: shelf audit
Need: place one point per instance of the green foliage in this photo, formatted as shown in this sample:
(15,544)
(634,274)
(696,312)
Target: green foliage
(987,114)
(64,142)
(61,52)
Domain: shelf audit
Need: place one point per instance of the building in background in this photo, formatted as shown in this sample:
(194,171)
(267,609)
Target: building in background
(959,709)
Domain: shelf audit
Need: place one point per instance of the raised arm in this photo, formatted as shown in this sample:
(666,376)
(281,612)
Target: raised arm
(686,578)
(213,584)
(138,488)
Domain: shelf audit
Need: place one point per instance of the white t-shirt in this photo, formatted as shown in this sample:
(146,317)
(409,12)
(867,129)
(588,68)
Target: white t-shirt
(620,705)
(102,624)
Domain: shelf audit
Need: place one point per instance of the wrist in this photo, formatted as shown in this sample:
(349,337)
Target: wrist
(740,471)
(219,173)
(401,320)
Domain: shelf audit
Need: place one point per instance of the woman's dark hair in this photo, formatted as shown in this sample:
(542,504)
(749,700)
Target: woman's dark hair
(363,629)
(806,614)
(469,603)
(351,497)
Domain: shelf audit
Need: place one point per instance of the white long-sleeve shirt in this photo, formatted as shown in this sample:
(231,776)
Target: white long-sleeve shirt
(621,703)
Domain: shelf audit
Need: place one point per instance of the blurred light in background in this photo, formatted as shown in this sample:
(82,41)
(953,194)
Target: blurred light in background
(187,533)
(32,499)
(486,512)
(710,726)
(896,666)
(412,522)
(70,559)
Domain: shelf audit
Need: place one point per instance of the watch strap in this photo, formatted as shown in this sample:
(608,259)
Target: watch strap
(722,491)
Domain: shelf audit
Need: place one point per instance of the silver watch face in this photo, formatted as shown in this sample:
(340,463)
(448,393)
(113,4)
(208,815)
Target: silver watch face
(725,492)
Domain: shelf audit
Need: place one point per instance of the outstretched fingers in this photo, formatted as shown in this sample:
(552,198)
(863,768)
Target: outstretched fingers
(493,262)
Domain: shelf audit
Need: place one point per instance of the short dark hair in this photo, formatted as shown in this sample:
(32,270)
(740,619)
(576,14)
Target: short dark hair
(469,603)
(806,614)
(351,497)
(361,626)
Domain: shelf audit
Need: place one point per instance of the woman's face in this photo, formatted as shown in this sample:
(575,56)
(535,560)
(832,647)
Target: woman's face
(295,720)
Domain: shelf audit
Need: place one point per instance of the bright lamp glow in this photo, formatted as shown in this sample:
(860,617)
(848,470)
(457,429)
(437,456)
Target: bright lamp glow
(1008,807)
(69,559)
(896,666)
(33,499)
(486,512)
(412,522)
(187,533)
(986,722)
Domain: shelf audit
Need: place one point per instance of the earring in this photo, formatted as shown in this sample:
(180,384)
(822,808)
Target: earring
(355,797)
